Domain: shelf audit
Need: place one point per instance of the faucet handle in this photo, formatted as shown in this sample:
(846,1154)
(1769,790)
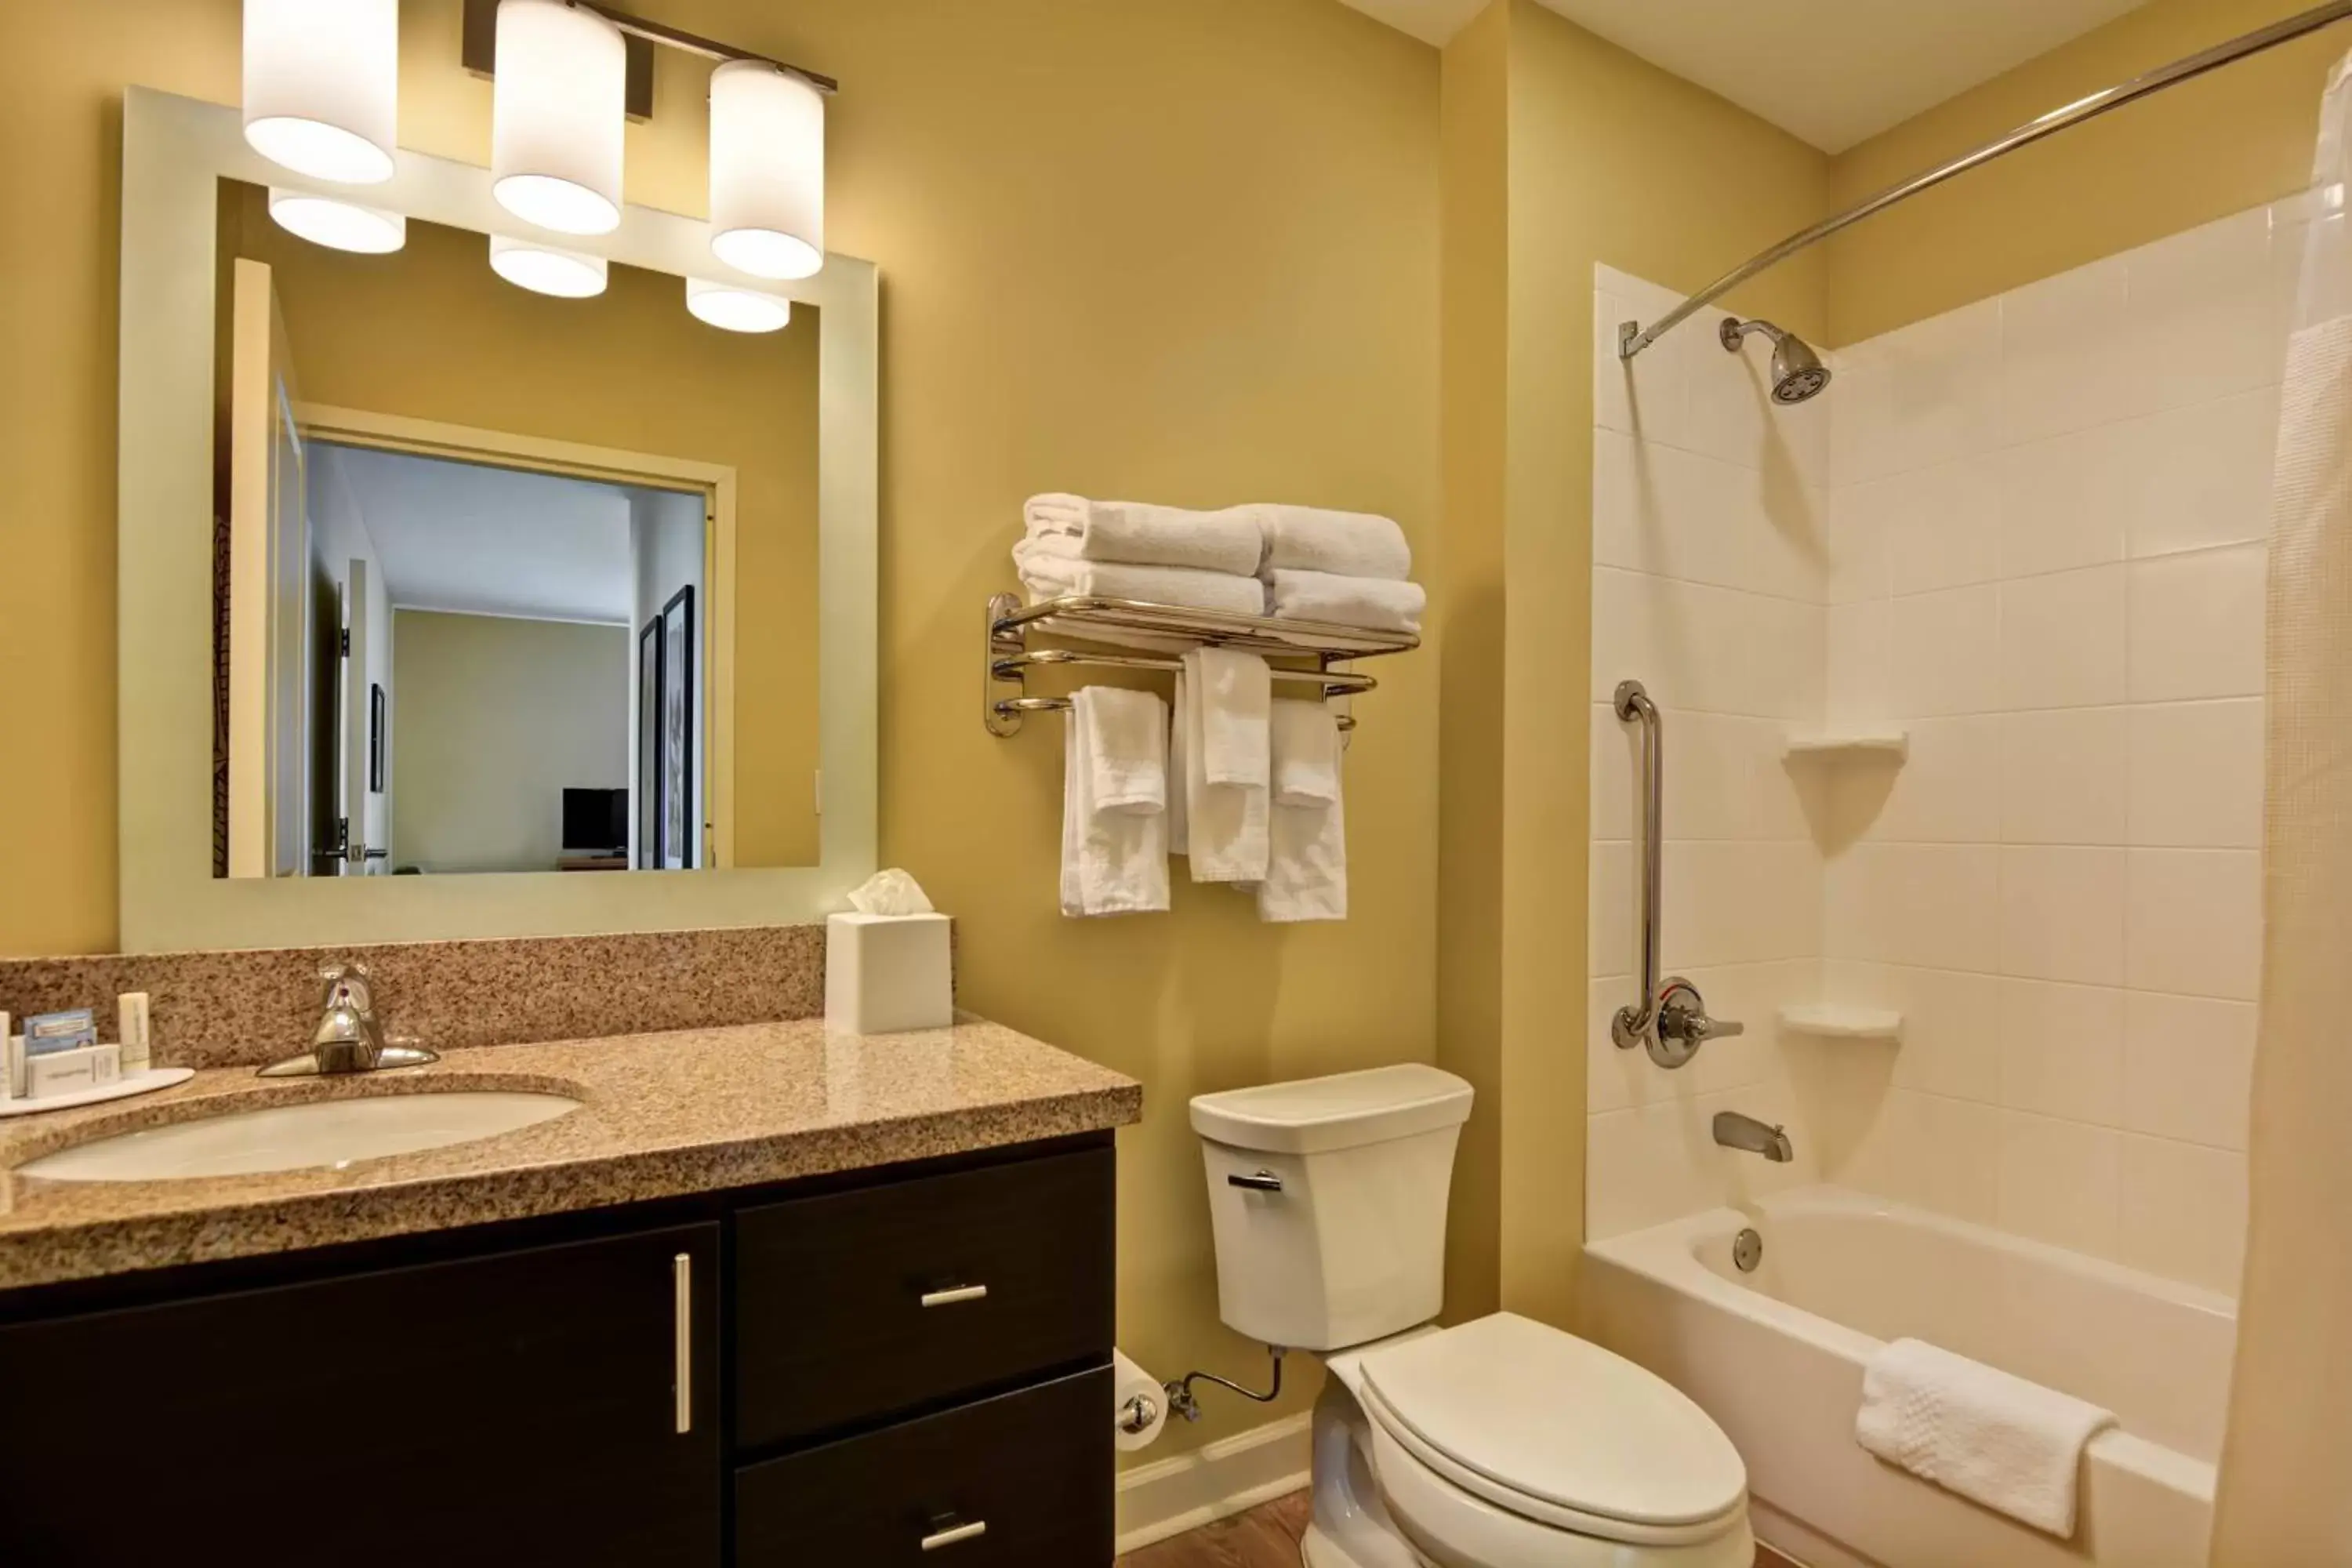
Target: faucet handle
(1684,1025)
(345,985)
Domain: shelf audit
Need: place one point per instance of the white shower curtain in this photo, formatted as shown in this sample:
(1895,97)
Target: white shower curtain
(2285,1492)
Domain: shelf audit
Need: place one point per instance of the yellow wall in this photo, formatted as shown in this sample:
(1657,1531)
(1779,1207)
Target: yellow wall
(1601,156)
(432,333)
(2230,141)
(1180,249)
(492,719)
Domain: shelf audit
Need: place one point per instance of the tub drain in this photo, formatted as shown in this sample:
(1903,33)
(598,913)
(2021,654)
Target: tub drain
(1748,1251)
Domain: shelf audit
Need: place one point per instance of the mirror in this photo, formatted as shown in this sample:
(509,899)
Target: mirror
(477,555)
(607,573)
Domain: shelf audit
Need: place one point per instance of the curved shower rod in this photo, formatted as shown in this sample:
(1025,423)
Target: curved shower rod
(1632,338)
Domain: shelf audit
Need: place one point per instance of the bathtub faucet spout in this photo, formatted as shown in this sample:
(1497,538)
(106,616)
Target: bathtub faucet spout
(1734,1131)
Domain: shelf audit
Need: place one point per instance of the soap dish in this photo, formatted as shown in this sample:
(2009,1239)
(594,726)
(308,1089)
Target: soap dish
(122,1087)
(1842,1021)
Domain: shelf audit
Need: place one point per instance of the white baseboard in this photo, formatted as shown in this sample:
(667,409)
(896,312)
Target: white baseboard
(1214,1481)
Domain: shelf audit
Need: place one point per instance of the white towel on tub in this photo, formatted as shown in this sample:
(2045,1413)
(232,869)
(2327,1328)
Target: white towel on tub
(2013,1446)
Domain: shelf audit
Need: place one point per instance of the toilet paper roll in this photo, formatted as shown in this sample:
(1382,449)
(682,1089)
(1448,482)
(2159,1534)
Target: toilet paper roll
(1129,1384)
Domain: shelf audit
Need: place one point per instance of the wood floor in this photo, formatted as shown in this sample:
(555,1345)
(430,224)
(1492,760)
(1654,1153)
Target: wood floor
(1267,1537)
(1264,1537)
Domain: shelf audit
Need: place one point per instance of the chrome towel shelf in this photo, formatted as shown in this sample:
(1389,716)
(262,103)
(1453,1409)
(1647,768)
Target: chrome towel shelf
(1163,631)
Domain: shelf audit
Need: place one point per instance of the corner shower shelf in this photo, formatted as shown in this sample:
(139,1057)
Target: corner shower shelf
(1838,1021)
(1160,633)
(1886,745)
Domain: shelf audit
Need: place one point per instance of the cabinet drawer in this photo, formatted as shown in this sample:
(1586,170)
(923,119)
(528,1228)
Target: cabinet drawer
(860,1304)
(1023,1481)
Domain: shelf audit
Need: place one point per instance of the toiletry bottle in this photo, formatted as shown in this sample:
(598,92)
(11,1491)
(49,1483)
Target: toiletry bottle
(132,1015)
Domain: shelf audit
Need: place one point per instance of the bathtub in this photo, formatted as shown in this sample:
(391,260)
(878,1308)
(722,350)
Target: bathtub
(1776,1356)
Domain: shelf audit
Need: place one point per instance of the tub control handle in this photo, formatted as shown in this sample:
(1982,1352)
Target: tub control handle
(1263,1182)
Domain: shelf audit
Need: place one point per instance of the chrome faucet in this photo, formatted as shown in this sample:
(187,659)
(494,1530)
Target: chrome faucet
(348,1039)
(1734,1131)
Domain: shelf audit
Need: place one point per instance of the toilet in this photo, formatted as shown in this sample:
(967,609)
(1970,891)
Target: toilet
(1501,1443)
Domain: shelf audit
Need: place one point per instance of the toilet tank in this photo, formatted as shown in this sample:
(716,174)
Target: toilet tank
(1328,1198)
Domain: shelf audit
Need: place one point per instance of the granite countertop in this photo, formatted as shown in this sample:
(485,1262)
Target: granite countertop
(662,1115)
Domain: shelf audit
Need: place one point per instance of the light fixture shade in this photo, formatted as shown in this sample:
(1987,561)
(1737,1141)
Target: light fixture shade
(557,110)
(736,307)
(337,224)
(322,86)
(547,269)
(767,170)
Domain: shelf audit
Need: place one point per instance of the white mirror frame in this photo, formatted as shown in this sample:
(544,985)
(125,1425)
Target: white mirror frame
(174,152)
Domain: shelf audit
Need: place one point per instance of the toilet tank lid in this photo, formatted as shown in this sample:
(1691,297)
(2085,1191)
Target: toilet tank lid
(1310,1115)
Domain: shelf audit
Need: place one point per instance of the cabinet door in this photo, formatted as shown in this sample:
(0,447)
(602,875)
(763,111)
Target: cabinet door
(520,1407)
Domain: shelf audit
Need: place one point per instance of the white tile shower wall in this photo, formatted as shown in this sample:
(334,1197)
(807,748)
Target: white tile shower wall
(2046,563)
(1710,586)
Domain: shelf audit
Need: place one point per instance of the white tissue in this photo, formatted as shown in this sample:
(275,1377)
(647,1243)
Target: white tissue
(1131,1381)
(891,892)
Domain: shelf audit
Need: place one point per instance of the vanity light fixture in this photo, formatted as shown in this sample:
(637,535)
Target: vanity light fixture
(547,269)
(556,116)
(338,223)
(736,307)
(322,86)
(767,170)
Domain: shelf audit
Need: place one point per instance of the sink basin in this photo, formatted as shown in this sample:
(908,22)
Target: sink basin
(296,1137)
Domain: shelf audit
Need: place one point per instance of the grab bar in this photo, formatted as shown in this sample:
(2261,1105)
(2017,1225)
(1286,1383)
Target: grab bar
(1671,1018)
(1632,1024)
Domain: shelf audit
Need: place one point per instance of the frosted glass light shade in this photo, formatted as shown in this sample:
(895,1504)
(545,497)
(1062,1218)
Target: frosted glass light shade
(546,269)
(336,224)
(557,109)
(736,307)
(767,171)
(322,86)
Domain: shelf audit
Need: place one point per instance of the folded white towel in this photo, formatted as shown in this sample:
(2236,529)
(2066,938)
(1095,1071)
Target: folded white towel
(2011,1445)
(1142,534)
(1373,603)
(1114,824)
(1226,771)
(1346,543)
(1306,832)
(1049,575)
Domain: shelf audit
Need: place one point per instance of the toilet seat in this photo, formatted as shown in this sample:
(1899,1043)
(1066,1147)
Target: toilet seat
(1553,1430)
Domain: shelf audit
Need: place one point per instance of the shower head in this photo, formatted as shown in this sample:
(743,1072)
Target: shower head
(1797,372)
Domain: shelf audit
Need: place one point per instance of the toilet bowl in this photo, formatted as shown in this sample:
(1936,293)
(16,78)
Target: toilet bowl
(1501,1443)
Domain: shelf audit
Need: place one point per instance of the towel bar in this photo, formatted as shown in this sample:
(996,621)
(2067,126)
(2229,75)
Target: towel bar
(1167,630)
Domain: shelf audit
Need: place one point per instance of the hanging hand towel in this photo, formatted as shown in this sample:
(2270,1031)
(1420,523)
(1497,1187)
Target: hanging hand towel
(1048,575)
(1114,855)
(1345,543)
(1178,843)
(1145,535)
(1226,695)
(2006,1443)
(1372,603)
(1306,858)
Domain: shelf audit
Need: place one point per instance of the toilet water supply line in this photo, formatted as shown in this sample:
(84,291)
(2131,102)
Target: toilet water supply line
(1183,1401)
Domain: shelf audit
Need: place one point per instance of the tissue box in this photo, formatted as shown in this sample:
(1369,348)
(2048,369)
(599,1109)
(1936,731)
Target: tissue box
(885,973)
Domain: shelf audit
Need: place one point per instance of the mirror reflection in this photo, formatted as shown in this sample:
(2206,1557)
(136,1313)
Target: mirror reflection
(478,551)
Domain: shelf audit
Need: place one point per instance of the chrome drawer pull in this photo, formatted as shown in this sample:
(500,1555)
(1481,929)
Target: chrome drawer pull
(949,1299)
(681,1270)
(972,1532)
(1264,1182)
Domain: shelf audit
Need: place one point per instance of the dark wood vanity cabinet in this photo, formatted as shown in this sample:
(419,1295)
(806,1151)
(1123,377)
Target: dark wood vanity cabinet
(869,1365)
(516,1407)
